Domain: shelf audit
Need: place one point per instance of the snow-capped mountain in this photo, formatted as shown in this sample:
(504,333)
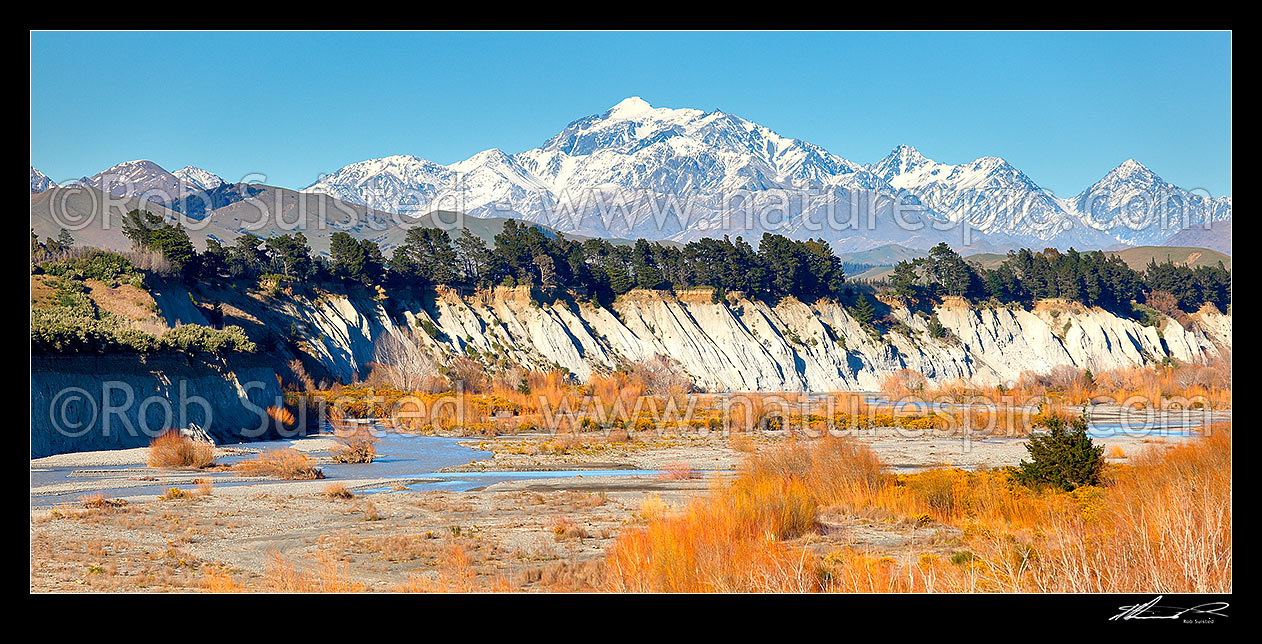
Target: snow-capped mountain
(194,176)
(637,170)
(1135,206)
(190,190)
(641,171)
(990,195)
(141,178)
(660,173)
(40,181)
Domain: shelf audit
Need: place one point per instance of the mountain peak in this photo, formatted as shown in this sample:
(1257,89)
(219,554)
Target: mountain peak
(138,164)
(40,181)
(630,107)
(197,177)
(1131,170)
(906,154)
(1131,165)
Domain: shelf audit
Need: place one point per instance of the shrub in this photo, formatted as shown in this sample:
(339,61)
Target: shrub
(91,263)
(338,491)
(1065,457)
(355,444)
(98,501)
(195,337)
(288,464)
(936,330)
(679,472)
(173,449)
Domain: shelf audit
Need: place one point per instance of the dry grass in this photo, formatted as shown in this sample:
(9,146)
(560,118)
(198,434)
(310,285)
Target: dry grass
(1202,384)
(329,576)
(733,540)
(98,501)
(1162,524)
(338,491)
(281,416)
(173,449)
(288,464)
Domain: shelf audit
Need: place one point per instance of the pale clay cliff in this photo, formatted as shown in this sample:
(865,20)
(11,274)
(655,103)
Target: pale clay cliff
(745,345)
(739,345)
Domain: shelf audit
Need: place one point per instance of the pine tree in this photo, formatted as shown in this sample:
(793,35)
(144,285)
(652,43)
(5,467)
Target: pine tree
(863,311)
(1065,457)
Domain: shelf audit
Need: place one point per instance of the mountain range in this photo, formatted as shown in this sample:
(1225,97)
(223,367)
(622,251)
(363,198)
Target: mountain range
(680,174)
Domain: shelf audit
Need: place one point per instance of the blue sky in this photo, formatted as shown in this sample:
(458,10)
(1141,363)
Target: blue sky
(1063,107)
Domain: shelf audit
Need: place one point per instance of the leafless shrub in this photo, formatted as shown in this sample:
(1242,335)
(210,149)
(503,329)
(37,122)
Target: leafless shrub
(400,361)
(662,375)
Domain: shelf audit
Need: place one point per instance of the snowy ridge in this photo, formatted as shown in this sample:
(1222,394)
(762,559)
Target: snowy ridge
(198,177)
(637,170)
(647,160)
(1138,207)
(40,181)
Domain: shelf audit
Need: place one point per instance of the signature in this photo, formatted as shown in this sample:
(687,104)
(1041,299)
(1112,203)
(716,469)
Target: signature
(1151,610)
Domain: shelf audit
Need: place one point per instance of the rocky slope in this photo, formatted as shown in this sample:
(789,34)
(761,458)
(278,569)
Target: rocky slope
(735,345)
(740,345)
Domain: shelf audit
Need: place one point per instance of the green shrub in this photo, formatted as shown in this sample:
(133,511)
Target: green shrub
(936,330)
(110,268)
(1065,457)
(195,337)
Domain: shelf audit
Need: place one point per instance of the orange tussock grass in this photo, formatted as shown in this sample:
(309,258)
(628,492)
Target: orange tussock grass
(221,581)
(329,576)
(733,539)
(338,491)
(546,389)
(98,501)
(1206,383)
(173,449)
(903,383)
(455,574)
(289,464)
(616,386)
(281,416)
(1162,524)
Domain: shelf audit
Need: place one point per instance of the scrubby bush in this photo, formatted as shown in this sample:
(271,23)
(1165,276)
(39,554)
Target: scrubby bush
(289,464)
(91,263)
(173,449)
(195,337)
(1065,457)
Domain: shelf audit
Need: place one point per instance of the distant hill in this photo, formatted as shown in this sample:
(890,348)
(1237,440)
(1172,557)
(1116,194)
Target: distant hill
(1139,256)
(886,255)
(1218,237)
(987,260)
(1136,257)
(270,211)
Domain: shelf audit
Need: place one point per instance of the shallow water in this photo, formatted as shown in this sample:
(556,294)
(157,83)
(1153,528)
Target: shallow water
(465,481)
(399,456)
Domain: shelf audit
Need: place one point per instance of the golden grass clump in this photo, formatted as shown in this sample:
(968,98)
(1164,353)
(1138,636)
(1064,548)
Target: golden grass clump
(338,491)
(288,464)
(733,539)
(173,449)
(98,501)
(282,416)
(328,576)
(679,472)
